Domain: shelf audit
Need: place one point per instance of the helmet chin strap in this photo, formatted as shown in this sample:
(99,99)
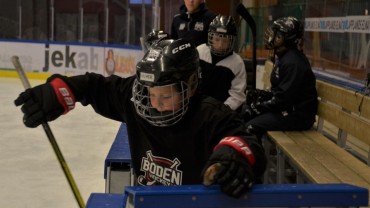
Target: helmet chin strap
(193,84)
(276,51)
(278,46)
(272,55)
(280,50)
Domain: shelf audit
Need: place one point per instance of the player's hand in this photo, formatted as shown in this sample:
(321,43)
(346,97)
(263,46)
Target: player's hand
(45,102)
(230,169)
(255,108)
(250,112)
(254,96)
(263,107)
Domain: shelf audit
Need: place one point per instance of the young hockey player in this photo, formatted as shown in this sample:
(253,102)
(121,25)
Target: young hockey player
(223,71)
(175,134)
(292,102)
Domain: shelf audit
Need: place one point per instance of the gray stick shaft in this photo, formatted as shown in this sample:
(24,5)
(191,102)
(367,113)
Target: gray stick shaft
(20,71)
(52,140)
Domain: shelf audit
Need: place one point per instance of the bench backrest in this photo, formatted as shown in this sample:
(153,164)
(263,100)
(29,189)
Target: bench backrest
(350,100)
(348,111)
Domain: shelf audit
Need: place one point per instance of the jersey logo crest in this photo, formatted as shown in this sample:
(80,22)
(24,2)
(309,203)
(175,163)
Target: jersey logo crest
(199,26)
(182,26)
(277,72)
(159,171)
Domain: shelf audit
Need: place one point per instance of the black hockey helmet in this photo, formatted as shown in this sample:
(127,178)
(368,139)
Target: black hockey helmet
(287,31)
(168,63)
(222,27)
(155,36)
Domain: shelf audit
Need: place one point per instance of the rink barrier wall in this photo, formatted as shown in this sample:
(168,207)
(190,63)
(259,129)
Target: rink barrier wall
(261,195)
(336,150)
(117,166)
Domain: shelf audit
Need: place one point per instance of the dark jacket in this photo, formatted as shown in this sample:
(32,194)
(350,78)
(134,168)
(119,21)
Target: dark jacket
(293,85)
(193,27)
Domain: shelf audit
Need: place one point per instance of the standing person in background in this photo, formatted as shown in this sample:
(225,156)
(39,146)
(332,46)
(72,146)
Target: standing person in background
(223,71)
(192,22)
(292,102)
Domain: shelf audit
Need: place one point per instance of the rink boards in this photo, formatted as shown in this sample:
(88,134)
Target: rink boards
(266,195)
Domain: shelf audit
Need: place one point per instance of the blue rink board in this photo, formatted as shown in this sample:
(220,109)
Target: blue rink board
(119,151)
(261,195)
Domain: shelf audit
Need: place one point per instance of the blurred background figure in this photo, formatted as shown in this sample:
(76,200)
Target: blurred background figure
(192,22)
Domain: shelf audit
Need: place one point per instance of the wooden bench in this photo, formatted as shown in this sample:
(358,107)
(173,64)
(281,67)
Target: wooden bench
(336,150)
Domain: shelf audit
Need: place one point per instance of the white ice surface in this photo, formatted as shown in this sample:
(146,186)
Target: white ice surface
(30,174)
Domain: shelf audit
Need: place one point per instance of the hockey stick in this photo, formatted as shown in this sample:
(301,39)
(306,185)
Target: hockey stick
(49,133)
(243,12)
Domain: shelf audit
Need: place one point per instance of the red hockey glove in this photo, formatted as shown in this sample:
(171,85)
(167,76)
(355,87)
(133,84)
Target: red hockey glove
(45,102)
(230,165)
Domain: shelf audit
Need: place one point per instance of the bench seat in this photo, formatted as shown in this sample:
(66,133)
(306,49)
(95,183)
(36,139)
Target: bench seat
(336,150)
(319,159)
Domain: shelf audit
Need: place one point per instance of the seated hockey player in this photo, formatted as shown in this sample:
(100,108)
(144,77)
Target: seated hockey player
(291,104)
(176,135)
(223,71)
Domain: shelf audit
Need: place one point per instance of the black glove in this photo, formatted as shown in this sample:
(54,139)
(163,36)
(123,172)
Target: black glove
(265,106)
(232,171)
(45,102)
(248,114)
(255,103)
(251,111)
(258,96)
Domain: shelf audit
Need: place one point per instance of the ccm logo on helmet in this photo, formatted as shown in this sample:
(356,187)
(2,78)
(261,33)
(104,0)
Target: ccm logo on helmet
(180,48)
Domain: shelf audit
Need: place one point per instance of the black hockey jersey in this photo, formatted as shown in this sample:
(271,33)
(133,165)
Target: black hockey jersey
(173,155)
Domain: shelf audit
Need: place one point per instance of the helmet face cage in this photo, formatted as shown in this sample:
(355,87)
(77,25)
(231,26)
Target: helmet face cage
(221,35)
(221,44)
(286,31)
(176,104)
(273,38)
(166,78)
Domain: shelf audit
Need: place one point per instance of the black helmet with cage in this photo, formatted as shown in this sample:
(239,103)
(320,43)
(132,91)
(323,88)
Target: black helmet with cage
(222,28)
(155,36)
(285,32)
(168,63)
